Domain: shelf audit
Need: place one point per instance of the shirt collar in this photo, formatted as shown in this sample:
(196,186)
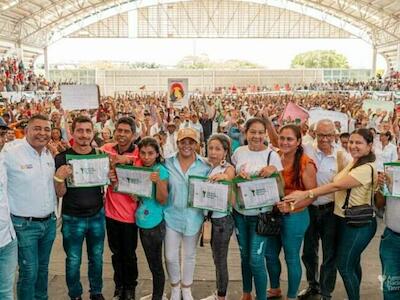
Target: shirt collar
(130,149)
(32,150)
(320,153)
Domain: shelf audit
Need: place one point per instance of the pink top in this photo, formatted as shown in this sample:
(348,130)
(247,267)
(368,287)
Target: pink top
(121,207)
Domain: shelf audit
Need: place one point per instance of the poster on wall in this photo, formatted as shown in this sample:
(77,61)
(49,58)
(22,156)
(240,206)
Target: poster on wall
(178,92)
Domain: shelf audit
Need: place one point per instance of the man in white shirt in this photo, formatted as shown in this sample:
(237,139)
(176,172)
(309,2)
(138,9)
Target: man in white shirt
(170,147)
(329,161)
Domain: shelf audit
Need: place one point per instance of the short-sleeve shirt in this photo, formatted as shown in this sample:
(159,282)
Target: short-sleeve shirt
(79,202)
(151,212)
(178,216)
(252,162)
(359,195)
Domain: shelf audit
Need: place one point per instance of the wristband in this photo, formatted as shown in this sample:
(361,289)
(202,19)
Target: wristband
(58,179)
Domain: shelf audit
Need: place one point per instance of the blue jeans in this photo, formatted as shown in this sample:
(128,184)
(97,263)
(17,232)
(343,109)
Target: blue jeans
(75,230)
(293,229)
(389,252)
(8,266)
(252,249)
(35,240)
(351,242)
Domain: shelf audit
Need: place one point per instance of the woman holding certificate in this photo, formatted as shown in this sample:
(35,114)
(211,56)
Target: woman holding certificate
(299,173)
(354,189)
(149,215)
(183,223)
(219,152)
(255,159)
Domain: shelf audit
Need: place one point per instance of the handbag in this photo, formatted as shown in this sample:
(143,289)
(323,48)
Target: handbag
(269,223)
(360,215)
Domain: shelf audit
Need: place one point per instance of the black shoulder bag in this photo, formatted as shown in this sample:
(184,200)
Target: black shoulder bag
(269,223)
(360,215)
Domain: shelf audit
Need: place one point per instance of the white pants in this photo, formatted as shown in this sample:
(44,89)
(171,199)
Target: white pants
(173,241)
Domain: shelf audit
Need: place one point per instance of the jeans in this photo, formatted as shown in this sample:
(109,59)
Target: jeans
(351,242)
(293,229)
(152,241)
(389,253)
(222,229)
(322,226)
(35,240)
(8,266)
(173,241)
(252,253)
(122,240)
(74,231)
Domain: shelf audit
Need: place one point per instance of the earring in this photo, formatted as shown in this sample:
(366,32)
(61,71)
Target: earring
(223,163)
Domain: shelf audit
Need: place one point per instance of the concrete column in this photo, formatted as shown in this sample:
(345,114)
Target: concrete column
(374,56)
(46,64)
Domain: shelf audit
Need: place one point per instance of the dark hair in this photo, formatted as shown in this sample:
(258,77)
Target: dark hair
(345,135)
(369,138)
(38,117)
(253,121)
(389,135)
(226,144)
(152,142)
(59,131)
(81,119)
(127,120)
(298,154)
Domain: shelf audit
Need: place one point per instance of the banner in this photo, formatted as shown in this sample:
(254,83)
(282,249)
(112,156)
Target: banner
(178,92)
(75,97)
(378,105)
(317,114)
(292,112)
(382,96)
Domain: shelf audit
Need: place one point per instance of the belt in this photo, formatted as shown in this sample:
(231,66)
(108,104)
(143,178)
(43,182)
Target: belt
(34,218)
(324,206)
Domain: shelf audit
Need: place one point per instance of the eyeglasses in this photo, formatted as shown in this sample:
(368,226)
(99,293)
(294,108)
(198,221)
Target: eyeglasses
(325,136)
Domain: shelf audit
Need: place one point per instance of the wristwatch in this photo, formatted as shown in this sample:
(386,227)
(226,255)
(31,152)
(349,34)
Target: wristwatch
(311,194)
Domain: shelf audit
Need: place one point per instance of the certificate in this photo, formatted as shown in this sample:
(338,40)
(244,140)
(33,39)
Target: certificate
(207,195)
(88,170)
(392,171)
(258,193)
(135,180)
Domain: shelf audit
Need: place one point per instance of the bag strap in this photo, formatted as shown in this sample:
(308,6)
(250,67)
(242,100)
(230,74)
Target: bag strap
(346,202)
(269,157)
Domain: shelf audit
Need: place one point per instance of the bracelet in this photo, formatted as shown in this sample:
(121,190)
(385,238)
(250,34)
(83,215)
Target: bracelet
(57,179)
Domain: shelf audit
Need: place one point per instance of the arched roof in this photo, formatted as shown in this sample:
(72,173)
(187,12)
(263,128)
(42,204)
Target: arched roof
(37,23)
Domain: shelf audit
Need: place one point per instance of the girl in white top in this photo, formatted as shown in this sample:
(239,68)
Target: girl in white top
(387,152)
(218,149)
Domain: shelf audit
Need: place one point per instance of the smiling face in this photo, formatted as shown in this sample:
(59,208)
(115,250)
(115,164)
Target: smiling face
(325,133)
(83,134)
(288,141)
(123,134)
(255,136)
(216,152)
(187,147)
(358,146)
(38,133)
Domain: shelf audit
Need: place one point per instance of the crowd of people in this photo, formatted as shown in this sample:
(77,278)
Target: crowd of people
(322,171)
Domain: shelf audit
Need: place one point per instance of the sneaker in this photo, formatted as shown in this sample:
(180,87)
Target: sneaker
(76,298)
(149,297)
(211,297)
(97,297)
(175,293)
(187,293)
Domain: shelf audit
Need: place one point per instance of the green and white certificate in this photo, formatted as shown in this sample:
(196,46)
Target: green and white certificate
(135,180)
(88,170)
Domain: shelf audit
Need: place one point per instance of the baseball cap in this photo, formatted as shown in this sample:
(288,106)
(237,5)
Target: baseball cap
(188,133)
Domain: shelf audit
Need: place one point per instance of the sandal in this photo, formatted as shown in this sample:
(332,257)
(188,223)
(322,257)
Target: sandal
(274,293)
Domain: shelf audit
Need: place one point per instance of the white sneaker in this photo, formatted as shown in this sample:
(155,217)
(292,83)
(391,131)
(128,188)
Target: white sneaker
(187,293)
(175,293)
(211,297)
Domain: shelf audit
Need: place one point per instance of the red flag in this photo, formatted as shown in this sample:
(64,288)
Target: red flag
(292,112)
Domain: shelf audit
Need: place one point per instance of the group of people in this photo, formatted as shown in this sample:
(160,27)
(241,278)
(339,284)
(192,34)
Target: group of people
(320,168)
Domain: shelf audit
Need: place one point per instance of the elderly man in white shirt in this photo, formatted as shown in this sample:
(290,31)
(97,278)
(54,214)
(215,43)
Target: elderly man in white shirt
(329,161)
(29,167)
(8,242)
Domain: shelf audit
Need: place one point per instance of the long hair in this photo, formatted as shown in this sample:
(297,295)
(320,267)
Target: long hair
(151,142)
(226,144)
(369,138)
(298,154)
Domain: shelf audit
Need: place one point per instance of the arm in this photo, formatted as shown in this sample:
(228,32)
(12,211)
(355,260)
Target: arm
(309,178)
(273,135)
(161,187)
(61,175)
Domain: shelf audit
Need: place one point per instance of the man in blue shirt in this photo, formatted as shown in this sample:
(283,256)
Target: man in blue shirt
(29,168)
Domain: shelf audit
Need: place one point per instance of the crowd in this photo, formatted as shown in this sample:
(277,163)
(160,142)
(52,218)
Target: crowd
(322,171)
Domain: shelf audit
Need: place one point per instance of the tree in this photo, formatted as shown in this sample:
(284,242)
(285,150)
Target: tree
(204,62)
(320,59)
